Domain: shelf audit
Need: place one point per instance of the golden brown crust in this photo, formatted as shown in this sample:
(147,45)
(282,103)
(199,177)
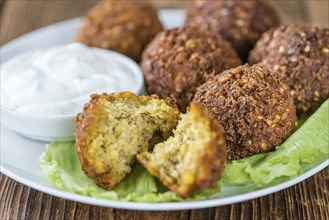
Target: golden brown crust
(299,54)
(240,22)
(85,129)
(210,163)
(125,27)
(253,106)
(177,61)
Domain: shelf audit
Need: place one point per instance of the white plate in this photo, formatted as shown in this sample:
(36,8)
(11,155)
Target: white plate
(20,156)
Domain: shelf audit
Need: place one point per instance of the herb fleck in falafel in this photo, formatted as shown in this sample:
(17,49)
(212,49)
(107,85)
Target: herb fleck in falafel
(177,61)
(299,54)
(253,106)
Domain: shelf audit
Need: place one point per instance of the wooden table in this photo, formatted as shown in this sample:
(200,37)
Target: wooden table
(307,200)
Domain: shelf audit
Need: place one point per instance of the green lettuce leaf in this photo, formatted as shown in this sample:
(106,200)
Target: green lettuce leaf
(61,165)
(306,145)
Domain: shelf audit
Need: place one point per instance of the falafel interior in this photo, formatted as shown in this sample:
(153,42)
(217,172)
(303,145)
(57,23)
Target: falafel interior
(113,128)
(194,157)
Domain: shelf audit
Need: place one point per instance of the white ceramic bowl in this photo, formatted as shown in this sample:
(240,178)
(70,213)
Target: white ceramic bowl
(61,127)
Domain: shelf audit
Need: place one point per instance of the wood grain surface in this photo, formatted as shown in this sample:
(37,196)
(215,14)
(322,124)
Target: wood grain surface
(307,200)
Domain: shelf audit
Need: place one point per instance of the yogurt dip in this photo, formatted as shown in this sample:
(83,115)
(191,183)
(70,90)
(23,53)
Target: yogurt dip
(59,80)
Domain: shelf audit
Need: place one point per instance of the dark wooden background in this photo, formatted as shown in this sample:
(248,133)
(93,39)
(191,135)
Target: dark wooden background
(307,200)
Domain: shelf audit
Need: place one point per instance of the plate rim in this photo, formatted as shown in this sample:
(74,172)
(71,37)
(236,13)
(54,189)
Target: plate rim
(129,205)
(164,206)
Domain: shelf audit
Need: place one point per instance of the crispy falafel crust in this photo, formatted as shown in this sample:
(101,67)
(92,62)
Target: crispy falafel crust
(107,141)
(208,162)
(253,106)
(240,22)
(120,26)
(299,54)
(177,61)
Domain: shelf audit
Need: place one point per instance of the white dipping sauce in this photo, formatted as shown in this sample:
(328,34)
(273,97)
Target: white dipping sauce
(58,81)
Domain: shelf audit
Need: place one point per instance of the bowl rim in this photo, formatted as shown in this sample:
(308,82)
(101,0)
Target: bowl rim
(31,115)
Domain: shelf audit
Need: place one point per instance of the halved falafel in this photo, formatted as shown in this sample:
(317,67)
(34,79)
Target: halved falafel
(113,128)
(254,107)
(194,157)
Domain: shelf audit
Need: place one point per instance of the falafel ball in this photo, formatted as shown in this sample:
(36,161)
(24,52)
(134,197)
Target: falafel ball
(300,55)
(194,157)
(253,106)
(113,128)
(240,22)
(120,26)
(177,61)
